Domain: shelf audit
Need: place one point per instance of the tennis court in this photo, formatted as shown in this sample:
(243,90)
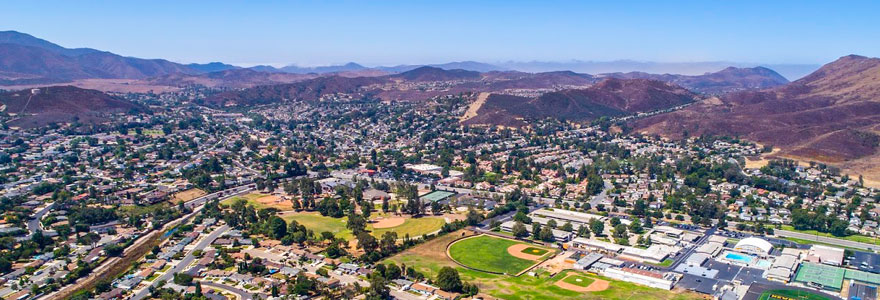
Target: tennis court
(826,277)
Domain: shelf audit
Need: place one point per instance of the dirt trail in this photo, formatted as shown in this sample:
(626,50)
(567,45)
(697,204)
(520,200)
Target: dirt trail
(472,110)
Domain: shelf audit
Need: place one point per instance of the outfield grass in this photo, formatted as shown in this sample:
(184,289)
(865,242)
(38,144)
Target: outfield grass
(793,294)
(318,223)
(578,280)
(414,227)
(489,253)
(535,251)
(855,237)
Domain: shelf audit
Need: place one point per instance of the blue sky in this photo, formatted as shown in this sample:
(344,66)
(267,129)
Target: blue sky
(413,32)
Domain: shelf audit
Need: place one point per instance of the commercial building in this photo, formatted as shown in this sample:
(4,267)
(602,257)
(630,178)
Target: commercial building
(825,255)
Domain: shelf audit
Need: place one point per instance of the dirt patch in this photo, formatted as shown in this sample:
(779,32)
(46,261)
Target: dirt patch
(517,251)
(187,195)
(275,202)
(388,222)
(598,285)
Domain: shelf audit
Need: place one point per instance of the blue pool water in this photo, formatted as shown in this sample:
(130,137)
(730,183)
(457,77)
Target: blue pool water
(738,257)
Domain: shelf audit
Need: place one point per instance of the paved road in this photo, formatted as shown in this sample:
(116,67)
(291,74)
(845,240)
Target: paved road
(34,224)
(188,259)
(827,240)
(242,294)
(219,195)
(602,195)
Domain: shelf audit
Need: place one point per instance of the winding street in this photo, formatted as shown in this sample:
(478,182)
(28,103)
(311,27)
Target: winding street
(185,262)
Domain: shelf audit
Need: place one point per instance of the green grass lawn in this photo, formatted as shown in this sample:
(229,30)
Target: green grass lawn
(666,262)
(430,256)
(414,227)
(318,223)
(794,294)
(578,280)
(489,253)
(535,251)
(855,237)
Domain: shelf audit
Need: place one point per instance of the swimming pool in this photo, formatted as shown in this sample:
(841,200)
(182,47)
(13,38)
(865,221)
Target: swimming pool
(742,258)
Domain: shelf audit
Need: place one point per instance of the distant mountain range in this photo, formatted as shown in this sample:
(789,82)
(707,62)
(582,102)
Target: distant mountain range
(27,60)
(831,115)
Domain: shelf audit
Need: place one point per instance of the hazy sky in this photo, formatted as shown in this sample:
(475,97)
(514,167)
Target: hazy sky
(410,32)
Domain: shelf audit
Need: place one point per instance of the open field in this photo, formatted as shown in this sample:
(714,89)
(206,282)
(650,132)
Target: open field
(790,294)
(261,201)
(187,195)
(318,223)
(488,253)
(413,227)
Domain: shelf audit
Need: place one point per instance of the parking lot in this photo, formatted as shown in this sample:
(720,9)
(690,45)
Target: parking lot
(868,262)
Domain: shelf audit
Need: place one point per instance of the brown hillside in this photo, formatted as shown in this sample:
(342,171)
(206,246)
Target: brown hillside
(830,115)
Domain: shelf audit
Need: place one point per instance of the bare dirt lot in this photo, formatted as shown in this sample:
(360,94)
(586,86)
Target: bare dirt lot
(187,195)
(389,222)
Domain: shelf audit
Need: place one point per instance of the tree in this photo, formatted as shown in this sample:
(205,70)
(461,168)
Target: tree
(448,280)
(356,223)
(636,227)
(389,242)
(519,230)
(597,227)
(378,288)
(536,231)
(113,249)
(392,272)
(567,227)
(620,231)
(547,234)
(367,242)
(182,279)
(277,227)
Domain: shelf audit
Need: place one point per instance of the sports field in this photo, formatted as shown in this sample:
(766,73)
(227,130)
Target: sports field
(790,295)
(535,251)
(430,256)
(488,253)
(318,223)
(578,280)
